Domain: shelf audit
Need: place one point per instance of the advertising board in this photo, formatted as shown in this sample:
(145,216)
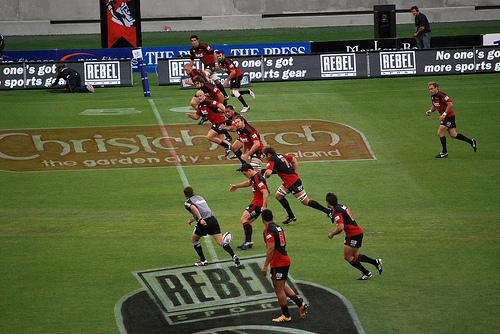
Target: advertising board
(349,65)
(435,61)
(39,75)
(280,68)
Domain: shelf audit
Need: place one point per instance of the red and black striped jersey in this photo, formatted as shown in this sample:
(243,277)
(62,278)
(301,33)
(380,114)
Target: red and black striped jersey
(213,92)
(248,135)
(440,101)
(273,233)
(203,52)
(342,215)
(210,110)
(259,185)
(196,74)
(280,165)
(228,66)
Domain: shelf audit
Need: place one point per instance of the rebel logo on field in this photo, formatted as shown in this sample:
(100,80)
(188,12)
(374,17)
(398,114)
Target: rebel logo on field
(147,146)
(220,298)
(397,63)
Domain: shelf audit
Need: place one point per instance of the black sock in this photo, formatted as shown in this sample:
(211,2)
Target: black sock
(244,91)
(248,232)
(364,258)
(463,138)
(242,100)
(297,300)
(443,144)
(317,206)
(227,136)
(284,311)
(228,249)
(284,203)
(199,250)
(221,88)
(225,145)
(360,267)
(238,155)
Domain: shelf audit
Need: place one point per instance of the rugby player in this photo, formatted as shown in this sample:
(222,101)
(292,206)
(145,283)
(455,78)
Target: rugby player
(193,74)
(206,223)
(344,220)
(277,258)
(212,93)
(248,139)
(259,201)
(235,75)
(286,166)
(214,112)
(206,55)
(444,105)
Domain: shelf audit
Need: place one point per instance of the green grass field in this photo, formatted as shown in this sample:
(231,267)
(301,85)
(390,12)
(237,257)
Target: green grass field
(70,240)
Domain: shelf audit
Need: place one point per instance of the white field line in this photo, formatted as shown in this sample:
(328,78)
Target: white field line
(180,170)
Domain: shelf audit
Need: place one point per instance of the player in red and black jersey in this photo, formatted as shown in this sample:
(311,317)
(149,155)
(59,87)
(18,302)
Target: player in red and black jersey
(206,55)
(277,258)
(286,167)
(231,116)
(212,92)
(194,74)
(214,112)
(259,201)
(248,147)
(443,104)
(235,75)
(344,220)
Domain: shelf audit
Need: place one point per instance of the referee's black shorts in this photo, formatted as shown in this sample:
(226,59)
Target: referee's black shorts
(211,228)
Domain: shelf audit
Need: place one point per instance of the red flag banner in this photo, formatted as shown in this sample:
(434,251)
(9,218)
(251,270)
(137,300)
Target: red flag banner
(120,23)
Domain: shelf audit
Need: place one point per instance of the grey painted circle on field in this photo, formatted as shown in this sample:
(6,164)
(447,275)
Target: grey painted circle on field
(182,109)
(254,329)
(110,111)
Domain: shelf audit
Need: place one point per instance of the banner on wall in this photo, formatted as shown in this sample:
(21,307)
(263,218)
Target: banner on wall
(152,54)
(33,75)
(120,23)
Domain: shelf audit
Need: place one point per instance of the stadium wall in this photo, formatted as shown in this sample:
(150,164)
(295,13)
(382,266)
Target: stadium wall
(46,17)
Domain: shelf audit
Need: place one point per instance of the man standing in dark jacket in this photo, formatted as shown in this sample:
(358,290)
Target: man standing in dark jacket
(422,32)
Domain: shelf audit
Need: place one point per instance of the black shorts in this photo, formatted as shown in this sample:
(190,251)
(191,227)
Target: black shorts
(296,188)
(211,228)
(449,122)
(217,128)
(253,210)
(279,273)
(258,155)
(74,81)
(355,241)
(236,82)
